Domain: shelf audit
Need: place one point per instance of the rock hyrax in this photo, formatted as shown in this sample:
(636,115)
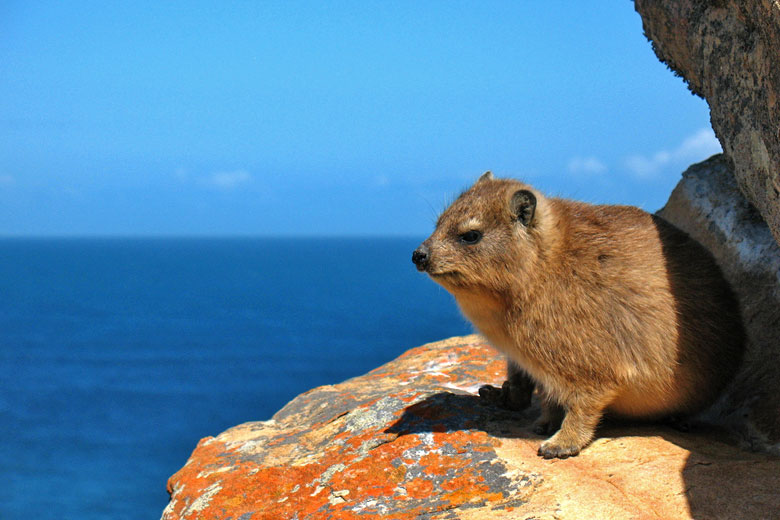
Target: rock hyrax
(605,308)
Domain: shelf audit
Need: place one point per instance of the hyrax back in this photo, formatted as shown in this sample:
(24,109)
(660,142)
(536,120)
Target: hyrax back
(606,308)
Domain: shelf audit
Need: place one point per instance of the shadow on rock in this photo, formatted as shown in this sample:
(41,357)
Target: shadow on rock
(723,481)
(448,412)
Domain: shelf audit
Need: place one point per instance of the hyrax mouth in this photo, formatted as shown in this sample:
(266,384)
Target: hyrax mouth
(448,279)
(424,263)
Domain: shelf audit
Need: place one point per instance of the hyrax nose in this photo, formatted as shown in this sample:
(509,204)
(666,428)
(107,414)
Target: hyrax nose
(420,257)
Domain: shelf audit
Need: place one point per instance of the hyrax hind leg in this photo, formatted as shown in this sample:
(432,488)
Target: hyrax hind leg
(514,394)
(551,418)
(578,426)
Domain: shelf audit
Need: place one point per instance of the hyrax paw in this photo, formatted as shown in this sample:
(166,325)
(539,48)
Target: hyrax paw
(505,397)
(681,424)
(491,394)
(543,427)
(553,450)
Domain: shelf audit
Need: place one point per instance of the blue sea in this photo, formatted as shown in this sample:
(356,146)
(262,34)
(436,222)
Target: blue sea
(117,355)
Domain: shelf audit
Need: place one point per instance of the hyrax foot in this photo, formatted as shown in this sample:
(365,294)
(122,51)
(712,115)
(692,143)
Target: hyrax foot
(545,426)
(490,394)
(577,429)
(508,396)
(681,424)
(551,449)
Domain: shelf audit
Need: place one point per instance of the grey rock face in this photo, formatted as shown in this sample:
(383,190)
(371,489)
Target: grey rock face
(727,52)
(708,205)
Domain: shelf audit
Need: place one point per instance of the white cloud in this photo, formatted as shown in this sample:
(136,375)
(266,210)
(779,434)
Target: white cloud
(699,146)
(228,180)
(586,165)
(696,147)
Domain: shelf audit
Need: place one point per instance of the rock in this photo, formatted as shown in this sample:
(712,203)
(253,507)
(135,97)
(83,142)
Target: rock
(708,205)
(726,50)
(412,440)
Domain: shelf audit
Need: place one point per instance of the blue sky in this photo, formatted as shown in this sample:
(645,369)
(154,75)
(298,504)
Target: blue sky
(334,118)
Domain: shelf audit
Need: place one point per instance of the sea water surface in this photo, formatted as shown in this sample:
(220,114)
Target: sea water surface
(117,355)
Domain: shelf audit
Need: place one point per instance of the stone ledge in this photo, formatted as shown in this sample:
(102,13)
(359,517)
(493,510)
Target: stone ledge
(411,440)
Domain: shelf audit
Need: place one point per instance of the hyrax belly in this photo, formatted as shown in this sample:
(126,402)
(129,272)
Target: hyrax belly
(604,308)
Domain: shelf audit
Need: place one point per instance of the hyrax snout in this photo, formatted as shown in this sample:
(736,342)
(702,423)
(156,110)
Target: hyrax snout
(601,308)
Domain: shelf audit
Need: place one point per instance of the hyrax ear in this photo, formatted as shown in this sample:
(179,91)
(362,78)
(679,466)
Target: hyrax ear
(523,206)
(487,176)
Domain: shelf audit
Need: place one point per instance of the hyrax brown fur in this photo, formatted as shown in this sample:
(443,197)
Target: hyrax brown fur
(606,308)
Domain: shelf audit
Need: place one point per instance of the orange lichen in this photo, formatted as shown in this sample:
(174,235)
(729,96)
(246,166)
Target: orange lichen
(419,488)
(343,472)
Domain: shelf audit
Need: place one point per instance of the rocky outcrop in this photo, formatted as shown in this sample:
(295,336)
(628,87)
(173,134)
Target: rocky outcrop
(708,205)
(727,52)
(412,440)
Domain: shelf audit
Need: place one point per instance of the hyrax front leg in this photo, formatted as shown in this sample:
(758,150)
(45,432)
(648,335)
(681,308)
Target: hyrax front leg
(579,425)
(514,394)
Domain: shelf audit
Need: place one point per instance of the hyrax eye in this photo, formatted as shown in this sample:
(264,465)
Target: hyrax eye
(471,237)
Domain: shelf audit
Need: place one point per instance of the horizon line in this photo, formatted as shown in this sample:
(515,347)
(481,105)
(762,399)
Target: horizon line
(203,236)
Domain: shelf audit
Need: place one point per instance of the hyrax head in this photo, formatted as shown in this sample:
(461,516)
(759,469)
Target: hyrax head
(484,238)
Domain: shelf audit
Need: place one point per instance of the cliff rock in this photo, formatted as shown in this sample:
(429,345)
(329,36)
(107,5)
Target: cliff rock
(412,440)
(727,52)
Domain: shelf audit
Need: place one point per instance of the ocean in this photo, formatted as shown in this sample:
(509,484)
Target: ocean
(117,355)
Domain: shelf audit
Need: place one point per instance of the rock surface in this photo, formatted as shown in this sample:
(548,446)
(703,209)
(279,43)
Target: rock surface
(412,440)
(708,205)
(727,52)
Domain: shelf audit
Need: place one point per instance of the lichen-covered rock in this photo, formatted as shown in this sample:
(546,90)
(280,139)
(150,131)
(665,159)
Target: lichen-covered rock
(412,440)
(708,205)
(727,52)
